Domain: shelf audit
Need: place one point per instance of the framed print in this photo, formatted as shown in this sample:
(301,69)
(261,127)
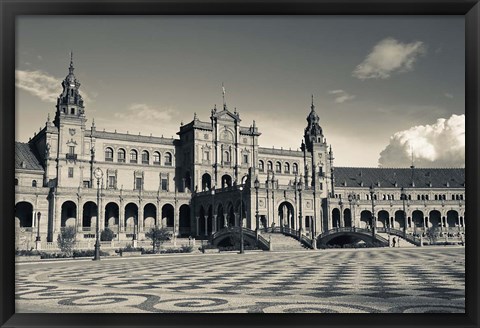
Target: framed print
(208,163)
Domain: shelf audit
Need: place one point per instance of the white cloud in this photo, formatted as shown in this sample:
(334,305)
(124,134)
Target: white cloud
(341,96)
(143,119)
(42,85)
(448,95)
(441,144)
(387,57)
(39,84)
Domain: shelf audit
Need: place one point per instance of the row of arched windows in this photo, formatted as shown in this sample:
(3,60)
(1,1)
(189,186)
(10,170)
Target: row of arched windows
(278,167)
(133,157)
(407,197)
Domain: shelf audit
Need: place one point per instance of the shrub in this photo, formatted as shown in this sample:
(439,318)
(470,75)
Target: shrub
(107,235)
(158,236)
(66,240)
(186,248)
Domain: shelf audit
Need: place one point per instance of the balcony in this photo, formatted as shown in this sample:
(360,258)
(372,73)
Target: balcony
(72,157)
(108,159)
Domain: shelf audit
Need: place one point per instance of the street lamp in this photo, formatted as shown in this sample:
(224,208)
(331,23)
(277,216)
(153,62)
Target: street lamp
(213,204)
(299,188)
(98,173)
(241,220)
(351,197)
(38,226)
(256,184)
(404,196)
(374,223)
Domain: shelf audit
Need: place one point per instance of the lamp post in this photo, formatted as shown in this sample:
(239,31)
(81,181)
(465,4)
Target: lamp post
(374,223)
(241,220)
(299,188)
(213,204)
(403,196)
(351,197)
(340,203)
(256,184)
(37,239)
(98,173)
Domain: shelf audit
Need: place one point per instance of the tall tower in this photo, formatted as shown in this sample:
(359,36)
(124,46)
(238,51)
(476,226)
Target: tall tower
(316,153)
(72,153)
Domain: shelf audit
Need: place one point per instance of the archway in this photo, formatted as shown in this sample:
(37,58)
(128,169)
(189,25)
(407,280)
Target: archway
(383,217)
(435,218)
(221,223)
(399,219)
(131,217)
(452,218)
(336,218)
(23,215)
(168,214)
(69,214)
(365,219)
(184,220)
(201,222)
(206,182)
(231,216)
(347,217)
(149,216)
(90,213)
(188,181)
(242,213)
(285,213)
(111,215)
(226,181)
(417,217)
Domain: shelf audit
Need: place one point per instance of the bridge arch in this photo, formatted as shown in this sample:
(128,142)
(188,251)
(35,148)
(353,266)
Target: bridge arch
(349,236)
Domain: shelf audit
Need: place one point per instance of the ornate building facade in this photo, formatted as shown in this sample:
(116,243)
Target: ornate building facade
(214,175)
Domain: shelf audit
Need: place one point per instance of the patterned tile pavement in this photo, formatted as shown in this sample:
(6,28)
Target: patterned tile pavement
(429,279)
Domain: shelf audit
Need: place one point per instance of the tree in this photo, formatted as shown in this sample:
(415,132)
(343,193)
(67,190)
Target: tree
(432,234)
(107,235)
(158,236)
(66,240)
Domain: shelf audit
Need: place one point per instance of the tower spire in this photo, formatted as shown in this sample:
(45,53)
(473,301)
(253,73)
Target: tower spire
(313,105)
(71,68)
(223,96)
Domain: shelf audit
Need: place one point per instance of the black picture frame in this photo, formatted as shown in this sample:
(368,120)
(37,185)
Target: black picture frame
(11,9)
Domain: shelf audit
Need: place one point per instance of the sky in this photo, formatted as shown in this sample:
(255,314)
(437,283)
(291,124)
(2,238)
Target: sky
(384,87)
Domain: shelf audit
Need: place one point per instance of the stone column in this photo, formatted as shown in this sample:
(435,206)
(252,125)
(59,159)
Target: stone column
(141,222)
(197,223)
(57,218)
(121,219)
(206,225)
(214,223)
(237,216)
(79,216)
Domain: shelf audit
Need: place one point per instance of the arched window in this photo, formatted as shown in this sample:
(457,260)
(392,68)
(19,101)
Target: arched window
(34,183)
(261,166)
(168,159)
(286,168)
(133,156)
(269,166)
(226,157)
(295,168)
(108,154)
(278,167)
(156,158)
(145,157)
(121,155)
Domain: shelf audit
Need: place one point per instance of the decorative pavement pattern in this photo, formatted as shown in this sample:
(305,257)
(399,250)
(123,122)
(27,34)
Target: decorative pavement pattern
(414,280)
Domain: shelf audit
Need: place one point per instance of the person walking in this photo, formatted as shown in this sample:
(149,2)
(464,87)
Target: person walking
(394,241)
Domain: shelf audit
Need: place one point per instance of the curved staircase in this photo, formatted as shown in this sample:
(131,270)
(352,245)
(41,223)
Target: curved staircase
(281,242)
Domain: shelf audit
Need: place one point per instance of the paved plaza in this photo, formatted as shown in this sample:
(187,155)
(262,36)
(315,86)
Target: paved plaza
(429,279)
